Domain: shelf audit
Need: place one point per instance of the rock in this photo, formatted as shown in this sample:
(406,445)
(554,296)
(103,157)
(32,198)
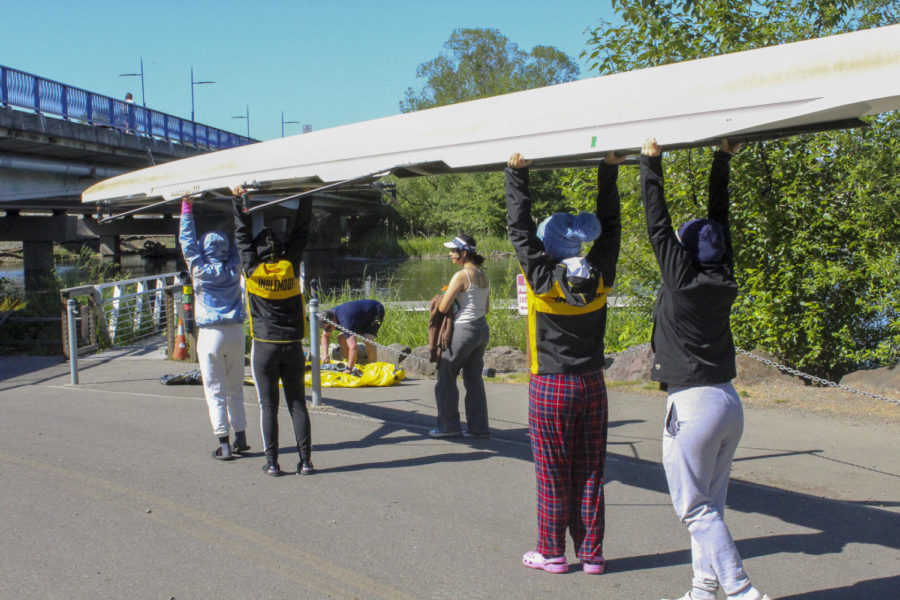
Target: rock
(415,367)
(885,380)
(752,371)
(505,359)
(395,357)
(630,365)
(635,365)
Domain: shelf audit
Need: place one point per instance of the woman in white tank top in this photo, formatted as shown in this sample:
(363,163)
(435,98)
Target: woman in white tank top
(470,288)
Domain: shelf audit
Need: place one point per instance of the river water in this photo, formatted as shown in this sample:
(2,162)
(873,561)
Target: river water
(392,279)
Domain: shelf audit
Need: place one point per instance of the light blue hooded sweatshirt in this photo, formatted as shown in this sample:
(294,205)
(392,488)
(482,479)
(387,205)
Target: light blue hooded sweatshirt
(216,273)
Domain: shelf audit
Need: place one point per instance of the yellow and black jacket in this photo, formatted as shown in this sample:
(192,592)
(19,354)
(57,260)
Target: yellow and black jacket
(566,317)
(272,273)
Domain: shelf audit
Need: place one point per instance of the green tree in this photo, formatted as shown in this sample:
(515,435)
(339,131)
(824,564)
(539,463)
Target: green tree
(816,218)
(478,63)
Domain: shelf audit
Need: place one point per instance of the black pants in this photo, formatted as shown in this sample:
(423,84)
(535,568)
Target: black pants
(270,363)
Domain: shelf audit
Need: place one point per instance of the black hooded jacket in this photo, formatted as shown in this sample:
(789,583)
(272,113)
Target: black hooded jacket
(272,273)
(692,320)
(566,316)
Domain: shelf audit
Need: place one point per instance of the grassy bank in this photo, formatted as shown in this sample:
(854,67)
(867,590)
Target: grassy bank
(625,327)
(434,246)
(41,337)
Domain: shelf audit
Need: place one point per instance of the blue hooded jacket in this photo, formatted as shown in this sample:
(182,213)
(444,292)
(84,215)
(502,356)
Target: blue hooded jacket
(216,273)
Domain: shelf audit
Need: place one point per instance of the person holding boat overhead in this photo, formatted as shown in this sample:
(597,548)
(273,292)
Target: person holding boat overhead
(695,362)
(567,401)
(215,268)
(271,262)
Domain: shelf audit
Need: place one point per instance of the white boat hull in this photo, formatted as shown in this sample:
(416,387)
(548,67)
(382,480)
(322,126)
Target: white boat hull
(804,86)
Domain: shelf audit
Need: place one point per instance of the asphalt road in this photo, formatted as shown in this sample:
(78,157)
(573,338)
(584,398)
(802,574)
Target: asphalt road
(108,490)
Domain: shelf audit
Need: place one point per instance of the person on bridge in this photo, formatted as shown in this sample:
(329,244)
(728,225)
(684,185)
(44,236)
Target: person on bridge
(695,362)
(469,289)
(361,317)
(271,262)
(567,401)
(215,269)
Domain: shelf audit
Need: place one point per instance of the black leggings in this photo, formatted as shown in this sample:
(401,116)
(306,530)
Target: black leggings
(269,363)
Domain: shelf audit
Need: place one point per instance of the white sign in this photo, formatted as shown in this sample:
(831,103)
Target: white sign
(522,294)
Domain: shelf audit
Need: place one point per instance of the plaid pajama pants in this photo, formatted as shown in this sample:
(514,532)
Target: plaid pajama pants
(568,421)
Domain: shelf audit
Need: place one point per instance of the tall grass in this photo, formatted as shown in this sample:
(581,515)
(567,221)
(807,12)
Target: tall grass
(434,246)
(626,326)
(46,302)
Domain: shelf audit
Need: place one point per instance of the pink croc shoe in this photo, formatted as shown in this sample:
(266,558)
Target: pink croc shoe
(595,567)
(536,560)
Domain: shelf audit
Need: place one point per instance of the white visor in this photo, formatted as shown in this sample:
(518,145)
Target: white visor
(457,244)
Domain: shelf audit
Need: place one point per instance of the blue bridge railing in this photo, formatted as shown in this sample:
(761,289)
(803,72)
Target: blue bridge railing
(45,96)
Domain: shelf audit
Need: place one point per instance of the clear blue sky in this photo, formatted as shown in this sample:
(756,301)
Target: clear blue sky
(322,62)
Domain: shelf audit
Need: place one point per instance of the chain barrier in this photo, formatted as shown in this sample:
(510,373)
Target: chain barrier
(813,378)
(771,363)
(783,369)
(324,319)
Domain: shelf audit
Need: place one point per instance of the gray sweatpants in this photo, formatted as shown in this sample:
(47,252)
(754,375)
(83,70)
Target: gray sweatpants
(466,353)
(703,427)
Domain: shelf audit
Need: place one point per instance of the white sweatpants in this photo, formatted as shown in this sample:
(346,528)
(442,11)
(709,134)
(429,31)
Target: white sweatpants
(702,430)
(220,351)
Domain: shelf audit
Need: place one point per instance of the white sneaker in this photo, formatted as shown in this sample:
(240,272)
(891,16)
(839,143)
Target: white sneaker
(760,596)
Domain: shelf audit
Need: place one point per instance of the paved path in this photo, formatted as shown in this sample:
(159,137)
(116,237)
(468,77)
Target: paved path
(107,490)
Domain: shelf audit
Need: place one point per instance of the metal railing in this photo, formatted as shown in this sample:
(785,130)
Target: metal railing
(121,312)
(45,96)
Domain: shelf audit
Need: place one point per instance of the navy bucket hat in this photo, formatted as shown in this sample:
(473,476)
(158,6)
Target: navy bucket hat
(704,239)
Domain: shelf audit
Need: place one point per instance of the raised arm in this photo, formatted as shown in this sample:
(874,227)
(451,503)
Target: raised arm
(243,233)
(299,235)
(536,265)
(673,259)
(717,209)
(604,253)
(187,234)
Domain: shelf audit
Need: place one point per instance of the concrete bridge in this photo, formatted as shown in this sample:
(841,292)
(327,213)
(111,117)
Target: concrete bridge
(56,140)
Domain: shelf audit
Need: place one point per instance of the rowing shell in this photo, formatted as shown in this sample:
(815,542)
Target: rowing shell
(813,85)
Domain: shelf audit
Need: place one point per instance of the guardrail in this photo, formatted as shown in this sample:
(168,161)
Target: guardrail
(120,312)
(45,96)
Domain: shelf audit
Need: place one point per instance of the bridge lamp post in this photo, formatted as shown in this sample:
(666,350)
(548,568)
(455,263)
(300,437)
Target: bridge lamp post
(245,117)
(141,75)
(193,83)
(283,123)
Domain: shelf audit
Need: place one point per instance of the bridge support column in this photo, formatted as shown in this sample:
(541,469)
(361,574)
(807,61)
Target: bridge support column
(111,248)
(38,265)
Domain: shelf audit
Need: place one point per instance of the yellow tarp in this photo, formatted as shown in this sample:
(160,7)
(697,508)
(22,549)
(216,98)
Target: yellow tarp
(379,374)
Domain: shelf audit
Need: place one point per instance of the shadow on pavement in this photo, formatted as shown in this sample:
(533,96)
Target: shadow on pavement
(836,524)
(884,588)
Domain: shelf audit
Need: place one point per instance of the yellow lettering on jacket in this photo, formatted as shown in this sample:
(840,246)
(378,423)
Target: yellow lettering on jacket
(554,302)
(274,281)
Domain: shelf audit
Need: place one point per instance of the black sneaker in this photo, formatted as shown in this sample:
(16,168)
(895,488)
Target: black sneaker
(479,435)
(240,449)
(305,467)
(240,445)
(272,470)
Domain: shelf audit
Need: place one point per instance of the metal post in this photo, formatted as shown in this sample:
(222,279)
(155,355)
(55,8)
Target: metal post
(314,359)
(71,306)
(368,287)
(192,92)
